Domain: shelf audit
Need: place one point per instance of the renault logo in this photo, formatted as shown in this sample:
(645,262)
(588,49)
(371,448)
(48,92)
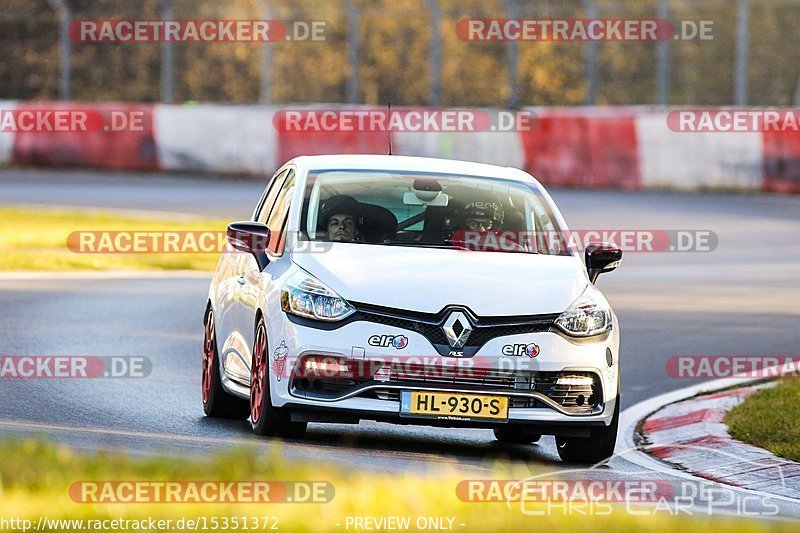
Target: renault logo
(457,329)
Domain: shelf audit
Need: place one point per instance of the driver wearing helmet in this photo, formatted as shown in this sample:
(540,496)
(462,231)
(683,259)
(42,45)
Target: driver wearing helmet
(483,216)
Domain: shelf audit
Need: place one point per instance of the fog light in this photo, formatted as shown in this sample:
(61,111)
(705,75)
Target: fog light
(575,381)
(324,366)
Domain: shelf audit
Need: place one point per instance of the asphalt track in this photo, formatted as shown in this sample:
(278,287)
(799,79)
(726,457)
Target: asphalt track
(742,298)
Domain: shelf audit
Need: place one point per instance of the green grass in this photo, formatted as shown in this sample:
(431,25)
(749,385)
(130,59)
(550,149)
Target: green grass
(35,477)
(770,419)
(36,240)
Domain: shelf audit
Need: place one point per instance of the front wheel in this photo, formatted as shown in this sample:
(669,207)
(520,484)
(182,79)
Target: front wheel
(595,449)
(264,418)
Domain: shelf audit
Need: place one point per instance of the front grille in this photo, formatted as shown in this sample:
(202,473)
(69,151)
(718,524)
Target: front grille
(452,377)
(394,396)
(575,398)
(432,332)
(430,325)
(568,396)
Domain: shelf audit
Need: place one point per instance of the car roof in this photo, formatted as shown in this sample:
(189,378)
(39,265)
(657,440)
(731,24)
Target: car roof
(409,164)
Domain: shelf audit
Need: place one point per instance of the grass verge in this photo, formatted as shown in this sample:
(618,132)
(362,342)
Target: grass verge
(770,419)
(36,240)
(35,478)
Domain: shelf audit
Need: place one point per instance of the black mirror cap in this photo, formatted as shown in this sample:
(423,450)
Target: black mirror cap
(601,257)
(252,238)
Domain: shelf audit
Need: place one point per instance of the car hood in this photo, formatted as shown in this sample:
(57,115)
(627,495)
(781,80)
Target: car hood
(428,279)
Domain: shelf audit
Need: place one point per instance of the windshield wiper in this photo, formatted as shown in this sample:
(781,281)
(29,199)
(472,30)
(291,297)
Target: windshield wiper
(450,245)
(390,242)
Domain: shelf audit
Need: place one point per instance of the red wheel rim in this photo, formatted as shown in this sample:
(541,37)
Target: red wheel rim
(209,347)
(258,375)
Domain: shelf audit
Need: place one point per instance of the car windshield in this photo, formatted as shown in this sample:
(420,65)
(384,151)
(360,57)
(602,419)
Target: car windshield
(429,210)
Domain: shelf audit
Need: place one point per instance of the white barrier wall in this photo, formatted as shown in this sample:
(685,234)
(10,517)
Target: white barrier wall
(6,137)
(691,161)
(492,147)
(216,138)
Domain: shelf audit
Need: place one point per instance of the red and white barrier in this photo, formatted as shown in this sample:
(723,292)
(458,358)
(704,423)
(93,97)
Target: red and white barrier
(102,147)
(292,143)
(781,162)
(584,147)
(594,148)
(503,148)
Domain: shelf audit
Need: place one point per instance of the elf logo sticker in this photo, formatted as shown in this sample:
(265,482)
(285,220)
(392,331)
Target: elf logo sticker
(531,350)
(384,341)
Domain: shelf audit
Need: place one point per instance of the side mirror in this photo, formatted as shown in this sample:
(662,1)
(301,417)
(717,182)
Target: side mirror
(601,257)
(252,238)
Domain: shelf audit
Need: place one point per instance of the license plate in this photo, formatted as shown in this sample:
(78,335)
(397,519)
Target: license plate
(448,405)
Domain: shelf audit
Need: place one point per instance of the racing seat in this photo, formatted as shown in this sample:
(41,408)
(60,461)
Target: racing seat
(514,220)
(377,223)
(439,224)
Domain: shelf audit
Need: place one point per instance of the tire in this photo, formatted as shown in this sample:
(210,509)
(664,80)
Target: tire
(217,403)
(264,418)
(595,449)
(515,435)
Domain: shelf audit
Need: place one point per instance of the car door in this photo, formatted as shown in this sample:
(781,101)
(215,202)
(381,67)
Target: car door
(226,300)
(255,283)
(233,338)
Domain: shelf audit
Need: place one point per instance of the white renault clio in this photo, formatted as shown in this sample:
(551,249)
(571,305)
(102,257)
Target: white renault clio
(414,291)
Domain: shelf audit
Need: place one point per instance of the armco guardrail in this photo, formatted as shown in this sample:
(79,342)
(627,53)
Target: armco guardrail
(585,147)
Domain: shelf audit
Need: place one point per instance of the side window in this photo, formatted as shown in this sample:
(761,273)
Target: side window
(269,198)
(276,221)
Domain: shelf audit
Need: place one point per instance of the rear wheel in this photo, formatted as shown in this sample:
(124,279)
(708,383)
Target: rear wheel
(217,403)
(515,435)
(264,418)
(597,448)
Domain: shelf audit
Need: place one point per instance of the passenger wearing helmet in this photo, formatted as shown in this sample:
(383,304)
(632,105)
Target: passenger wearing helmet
(339,216)
(483,216)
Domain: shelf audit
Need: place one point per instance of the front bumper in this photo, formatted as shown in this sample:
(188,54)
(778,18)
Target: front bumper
(564,427)
(527,381)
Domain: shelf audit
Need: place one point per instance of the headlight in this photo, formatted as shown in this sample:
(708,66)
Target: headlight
(589,315)
(306,296)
